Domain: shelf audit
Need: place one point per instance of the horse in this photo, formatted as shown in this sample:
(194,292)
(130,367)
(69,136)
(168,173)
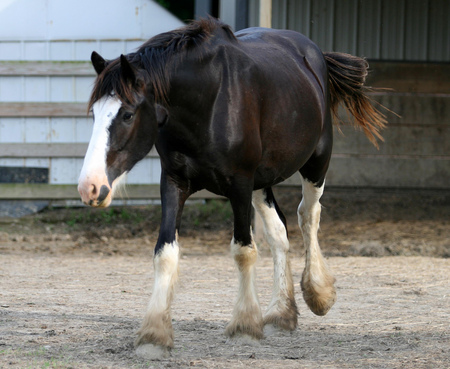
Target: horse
(235,114)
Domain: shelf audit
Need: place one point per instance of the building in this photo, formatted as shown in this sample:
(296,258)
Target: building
(45,81)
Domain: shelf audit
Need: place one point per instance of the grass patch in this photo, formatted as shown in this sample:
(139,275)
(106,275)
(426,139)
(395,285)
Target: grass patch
(217,213)
(39,358)
(104,216)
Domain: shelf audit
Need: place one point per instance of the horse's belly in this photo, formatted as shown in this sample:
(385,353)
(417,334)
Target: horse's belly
(266,176)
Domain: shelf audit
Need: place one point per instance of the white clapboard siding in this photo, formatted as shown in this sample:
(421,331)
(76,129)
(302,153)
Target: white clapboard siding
(66,50)
(46,79)
(52,130)
(23,84)
(67,170)
(45,88)
(83,19)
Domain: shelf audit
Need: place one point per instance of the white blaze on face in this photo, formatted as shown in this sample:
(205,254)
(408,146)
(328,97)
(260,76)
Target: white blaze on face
(93,174)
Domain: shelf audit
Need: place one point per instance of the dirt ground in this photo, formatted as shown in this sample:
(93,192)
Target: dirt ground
(75,284)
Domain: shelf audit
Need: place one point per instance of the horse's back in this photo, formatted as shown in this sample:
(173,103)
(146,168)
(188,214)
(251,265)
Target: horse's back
(292,88)
(281,48)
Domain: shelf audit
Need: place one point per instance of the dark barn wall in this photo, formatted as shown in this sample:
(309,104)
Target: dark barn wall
(407,43)
(413,30)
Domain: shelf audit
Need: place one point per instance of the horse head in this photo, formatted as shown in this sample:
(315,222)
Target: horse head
(126,120)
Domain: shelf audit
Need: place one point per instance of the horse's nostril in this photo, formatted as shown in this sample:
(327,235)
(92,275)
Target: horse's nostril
(104,192)
(93,190)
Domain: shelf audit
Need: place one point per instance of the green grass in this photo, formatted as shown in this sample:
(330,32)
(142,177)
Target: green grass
(38,358)
(108,216)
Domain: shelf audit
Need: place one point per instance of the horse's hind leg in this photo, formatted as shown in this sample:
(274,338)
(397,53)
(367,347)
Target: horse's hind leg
(247,317)
(282,310)
(317,281)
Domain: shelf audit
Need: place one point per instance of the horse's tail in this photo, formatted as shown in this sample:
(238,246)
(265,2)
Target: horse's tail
(347,74)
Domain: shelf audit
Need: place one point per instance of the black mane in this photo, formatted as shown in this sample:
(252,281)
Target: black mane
(153,61)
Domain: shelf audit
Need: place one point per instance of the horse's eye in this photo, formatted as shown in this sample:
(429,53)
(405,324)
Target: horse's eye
(127,117)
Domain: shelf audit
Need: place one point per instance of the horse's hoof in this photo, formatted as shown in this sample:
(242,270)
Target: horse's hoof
(149,351)
(244,340)
(282,318)
(273,330)
(320,297)
(320,301)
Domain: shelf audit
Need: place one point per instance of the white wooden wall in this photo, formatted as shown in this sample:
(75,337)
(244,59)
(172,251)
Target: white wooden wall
(44,49)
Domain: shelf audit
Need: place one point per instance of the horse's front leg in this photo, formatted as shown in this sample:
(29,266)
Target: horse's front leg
(155,337)
(247,318)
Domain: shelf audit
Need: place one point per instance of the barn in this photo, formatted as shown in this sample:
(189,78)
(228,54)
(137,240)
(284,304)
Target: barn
(45,80)
(407,43)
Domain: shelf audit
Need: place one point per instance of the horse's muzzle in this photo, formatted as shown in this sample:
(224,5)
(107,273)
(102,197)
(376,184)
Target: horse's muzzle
(94,195)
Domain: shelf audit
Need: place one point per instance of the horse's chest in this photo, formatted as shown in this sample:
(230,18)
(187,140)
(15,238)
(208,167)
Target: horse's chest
(200,172)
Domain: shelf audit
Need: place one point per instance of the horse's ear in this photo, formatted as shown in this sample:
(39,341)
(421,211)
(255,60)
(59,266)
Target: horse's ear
(127,70)
(98,62)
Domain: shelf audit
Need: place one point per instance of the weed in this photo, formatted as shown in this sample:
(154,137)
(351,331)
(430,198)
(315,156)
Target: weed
(104,216)
(217,212)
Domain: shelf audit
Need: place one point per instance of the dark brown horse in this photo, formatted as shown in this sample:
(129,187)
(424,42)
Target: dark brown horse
(234,114)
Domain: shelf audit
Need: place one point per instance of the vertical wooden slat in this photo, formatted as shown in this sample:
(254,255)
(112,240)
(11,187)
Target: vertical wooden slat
(265,20)
(416,19)
(253,13)
(293,18)
(322,25)
(308,21)
(392,30)
(299,16)
(439,31)
(279,14)
(345,26)
(202,8)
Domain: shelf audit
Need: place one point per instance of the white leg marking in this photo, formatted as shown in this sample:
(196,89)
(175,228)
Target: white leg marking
(155,337)
(282,310)
(247,318)
(317,281)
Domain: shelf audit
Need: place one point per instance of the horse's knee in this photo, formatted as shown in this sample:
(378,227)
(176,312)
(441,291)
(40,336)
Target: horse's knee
(244,256)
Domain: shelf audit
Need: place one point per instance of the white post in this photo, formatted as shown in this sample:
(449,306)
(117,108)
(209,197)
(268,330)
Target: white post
(265,20)
(265,13)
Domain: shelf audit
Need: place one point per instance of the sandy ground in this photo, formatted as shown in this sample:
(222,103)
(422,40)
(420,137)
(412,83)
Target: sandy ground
(73,295)
(83,312)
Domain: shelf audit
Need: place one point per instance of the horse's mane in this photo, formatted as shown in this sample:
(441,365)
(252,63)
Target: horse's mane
(154,60)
